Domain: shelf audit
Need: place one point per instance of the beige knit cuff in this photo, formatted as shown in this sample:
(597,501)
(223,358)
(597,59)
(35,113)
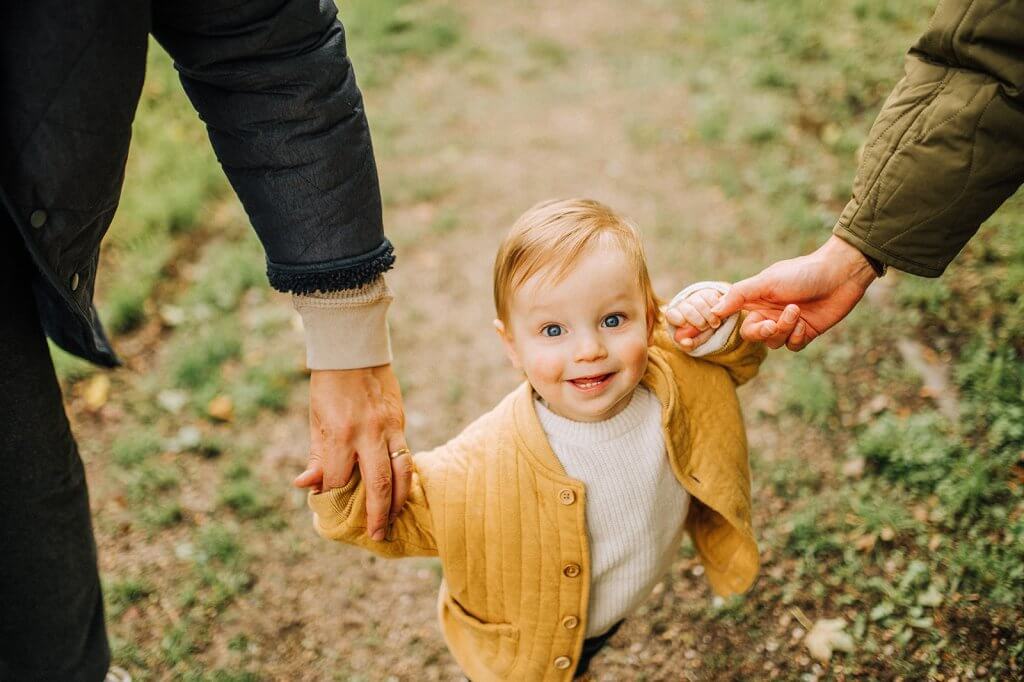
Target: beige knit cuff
(346,329)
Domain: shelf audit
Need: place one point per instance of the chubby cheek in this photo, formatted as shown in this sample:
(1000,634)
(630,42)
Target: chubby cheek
(632,352)
(543,365)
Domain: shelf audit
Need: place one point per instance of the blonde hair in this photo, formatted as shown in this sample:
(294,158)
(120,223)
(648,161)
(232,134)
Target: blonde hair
(557,232)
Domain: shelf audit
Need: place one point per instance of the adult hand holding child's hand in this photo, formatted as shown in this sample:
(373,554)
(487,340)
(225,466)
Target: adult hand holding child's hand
(356,418)
(826,285)
(697,317)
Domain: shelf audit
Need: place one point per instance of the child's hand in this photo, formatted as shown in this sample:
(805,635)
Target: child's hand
(695,311)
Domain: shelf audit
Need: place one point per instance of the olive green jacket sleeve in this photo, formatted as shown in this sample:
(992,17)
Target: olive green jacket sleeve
(947,148)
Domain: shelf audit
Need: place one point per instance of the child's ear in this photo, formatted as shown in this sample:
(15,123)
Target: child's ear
(506,340)
(652,322)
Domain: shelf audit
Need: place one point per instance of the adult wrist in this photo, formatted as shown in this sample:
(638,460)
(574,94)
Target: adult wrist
(852,262)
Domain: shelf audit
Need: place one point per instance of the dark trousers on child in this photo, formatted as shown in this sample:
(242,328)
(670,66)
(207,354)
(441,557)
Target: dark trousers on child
(592,645)
(51,610)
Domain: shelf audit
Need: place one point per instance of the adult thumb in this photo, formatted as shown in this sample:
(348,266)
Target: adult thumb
(734,299)
(312,477)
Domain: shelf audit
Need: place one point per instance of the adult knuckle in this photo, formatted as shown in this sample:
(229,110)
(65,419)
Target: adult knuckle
(380,481)
(394,421)
(375,421)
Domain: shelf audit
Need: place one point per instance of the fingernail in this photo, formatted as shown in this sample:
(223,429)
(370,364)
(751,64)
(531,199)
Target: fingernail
(379,535)
(715,323)
(799,328)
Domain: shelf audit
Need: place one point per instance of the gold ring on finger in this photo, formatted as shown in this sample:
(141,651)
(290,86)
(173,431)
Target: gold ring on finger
(399,453)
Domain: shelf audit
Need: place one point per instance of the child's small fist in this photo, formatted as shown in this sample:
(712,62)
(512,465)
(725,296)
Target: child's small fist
(693,318)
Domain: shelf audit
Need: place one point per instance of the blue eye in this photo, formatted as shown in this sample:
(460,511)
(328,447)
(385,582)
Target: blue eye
(612,320)
(552,330)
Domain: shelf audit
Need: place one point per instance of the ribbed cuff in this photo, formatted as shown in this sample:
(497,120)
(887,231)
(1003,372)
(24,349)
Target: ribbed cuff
(332,508)
(346,329)
(721,336)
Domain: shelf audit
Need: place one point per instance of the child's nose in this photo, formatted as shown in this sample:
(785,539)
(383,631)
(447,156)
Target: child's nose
(590,348)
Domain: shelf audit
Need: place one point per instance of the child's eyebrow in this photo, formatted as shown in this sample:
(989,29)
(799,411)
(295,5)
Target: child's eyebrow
(611,302)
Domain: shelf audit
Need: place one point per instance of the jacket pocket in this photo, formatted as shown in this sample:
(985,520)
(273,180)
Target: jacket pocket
(495,646)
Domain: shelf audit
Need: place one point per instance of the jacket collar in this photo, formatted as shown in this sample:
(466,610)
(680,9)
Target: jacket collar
(658,378)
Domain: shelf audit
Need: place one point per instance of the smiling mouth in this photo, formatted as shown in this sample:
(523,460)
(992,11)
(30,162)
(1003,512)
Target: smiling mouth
(592,383)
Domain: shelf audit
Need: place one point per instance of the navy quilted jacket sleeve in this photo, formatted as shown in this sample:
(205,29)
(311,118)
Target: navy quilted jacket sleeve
(272,81)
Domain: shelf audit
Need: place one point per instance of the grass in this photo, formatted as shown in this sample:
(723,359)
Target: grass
(809,392)
(134,447)
(165,191)
(123,593)
(388,34)
(198,361)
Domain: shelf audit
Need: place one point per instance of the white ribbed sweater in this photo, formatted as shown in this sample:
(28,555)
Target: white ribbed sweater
(635,506)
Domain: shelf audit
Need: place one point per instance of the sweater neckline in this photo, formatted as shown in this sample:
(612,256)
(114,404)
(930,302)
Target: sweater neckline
(564,430)
(533,442)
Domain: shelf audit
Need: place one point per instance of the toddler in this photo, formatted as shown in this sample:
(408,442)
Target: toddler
(556,513)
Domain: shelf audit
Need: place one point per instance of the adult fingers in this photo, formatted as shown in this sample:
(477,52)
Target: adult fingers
(337,454)
(401,474)
(801,336)
(312,477)
(761,330)
(784,327)
(754,326)
(375,467)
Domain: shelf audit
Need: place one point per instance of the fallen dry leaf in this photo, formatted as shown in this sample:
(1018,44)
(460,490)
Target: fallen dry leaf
(866,542)
(826,637)
(96,392)
(854,468)
(221,408)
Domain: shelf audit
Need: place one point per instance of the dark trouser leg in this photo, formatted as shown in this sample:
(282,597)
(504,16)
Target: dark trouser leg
(51,610)
(593,645)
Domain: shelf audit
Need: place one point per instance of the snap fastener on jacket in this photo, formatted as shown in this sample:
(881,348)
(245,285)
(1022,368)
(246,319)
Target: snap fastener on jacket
(74,282)
(571,570)
(38,218)
(563,662)
(566,496)
(570,622)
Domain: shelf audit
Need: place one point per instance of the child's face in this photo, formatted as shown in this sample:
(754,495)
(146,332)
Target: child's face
(582,341)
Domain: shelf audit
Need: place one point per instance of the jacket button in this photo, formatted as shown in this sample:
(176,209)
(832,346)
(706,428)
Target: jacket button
(74,282)
(566,496)
(38,218)
(571,570)
(563,662)
(570,622)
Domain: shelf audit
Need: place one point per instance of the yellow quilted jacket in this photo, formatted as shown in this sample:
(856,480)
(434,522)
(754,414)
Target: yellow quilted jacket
(507,522)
